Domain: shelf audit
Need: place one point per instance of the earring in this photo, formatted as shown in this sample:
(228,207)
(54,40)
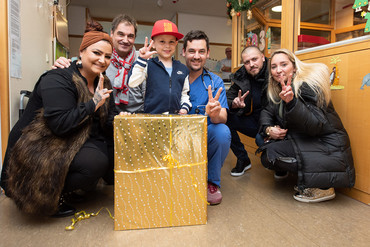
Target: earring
(79,64)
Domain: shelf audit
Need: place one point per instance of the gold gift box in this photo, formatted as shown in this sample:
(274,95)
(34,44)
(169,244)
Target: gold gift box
(160,171)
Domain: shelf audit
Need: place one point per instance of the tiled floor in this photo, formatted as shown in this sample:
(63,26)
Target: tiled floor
(256,211)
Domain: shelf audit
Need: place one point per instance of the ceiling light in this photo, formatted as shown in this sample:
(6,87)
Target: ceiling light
(276,8)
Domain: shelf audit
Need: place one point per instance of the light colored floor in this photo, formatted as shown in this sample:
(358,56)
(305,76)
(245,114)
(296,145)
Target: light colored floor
(256,211)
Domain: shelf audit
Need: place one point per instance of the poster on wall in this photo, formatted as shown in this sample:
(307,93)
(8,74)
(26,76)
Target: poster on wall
(59,50)
(15,39)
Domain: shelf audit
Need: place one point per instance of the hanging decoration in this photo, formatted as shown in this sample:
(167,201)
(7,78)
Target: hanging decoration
(235,7)
(357,6)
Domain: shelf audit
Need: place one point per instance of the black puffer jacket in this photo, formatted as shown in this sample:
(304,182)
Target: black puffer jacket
(243,81)
(321,143)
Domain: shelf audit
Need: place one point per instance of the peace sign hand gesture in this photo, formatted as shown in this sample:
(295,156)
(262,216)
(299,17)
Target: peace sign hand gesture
(145,52)
(286,93)
(238,102)
(213,107)
(101,93)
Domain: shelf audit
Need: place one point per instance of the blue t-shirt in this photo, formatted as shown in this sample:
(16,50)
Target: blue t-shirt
(199,92)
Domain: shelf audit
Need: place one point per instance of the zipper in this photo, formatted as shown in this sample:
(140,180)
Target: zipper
(169,106)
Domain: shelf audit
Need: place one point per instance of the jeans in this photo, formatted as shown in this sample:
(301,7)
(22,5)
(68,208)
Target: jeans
(218,147)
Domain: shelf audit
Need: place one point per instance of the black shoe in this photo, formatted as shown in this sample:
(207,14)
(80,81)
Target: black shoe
(281,175)
(64,210)
(240,168)
(75,197)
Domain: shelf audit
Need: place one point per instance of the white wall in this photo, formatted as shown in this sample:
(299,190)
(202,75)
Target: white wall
(218,30)
(36,49)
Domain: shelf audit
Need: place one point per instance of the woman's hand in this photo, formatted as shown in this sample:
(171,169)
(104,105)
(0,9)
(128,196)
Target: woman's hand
(276,132)
(286,93)
(101,93)
(145,52)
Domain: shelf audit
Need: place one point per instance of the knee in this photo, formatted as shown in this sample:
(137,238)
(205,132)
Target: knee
(220,134)
(265,162)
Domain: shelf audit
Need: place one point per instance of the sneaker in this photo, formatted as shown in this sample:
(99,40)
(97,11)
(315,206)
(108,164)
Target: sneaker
(214,195)
(281,175)
(240,168)
(315,195)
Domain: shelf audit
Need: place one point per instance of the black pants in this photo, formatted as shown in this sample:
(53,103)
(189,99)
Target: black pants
(247,125)
(93,161)
(279,156)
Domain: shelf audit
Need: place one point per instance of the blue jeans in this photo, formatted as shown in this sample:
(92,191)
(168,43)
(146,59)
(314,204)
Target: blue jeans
(218,147)
(248,125)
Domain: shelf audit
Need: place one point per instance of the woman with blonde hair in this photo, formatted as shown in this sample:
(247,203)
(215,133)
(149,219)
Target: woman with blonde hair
(303,133)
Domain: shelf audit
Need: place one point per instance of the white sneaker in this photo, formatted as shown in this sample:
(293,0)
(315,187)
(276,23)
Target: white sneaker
(315,195)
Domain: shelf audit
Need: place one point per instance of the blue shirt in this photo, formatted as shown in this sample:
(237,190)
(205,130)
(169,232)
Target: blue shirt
(199,92)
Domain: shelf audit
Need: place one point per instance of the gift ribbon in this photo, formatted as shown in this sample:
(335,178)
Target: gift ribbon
(82,215)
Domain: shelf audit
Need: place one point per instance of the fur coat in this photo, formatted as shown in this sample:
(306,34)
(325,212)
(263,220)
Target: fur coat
(40,160)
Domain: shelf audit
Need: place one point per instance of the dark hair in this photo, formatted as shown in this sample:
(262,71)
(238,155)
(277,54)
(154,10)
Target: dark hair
(93,26)
(195,35)
(124,19)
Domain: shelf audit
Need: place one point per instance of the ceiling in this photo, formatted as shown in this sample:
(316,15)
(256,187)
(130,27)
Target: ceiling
(149,11)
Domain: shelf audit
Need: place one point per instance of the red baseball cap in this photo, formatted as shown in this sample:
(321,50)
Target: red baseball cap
(166,27)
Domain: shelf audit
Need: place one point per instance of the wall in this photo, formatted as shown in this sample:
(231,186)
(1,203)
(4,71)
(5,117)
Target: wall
(36,48)
(217,29)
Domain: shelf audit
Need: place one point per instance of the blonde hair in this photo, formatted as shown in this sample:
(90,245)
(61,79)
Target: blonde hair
(315,75)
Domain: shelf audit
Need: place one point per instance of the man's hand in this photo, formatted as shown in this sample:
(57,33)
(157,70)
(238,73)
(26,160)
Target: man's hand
(101,93)
(62,63)
(145,52)
(183,111)
(238,102)
(225,68)
(286,93)
(213,106)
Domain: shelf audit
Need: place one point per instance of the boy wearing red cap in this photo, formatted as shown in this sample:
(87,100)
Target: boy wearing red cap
(166,89)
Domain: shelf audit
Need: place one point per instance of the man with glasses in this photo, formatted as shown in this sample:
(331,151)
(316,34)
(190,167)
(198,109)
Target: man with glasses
(246,98)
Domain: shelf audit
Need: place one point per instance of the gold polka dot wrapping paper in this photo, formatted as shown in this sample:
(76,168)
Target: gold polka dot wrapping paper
(160,171)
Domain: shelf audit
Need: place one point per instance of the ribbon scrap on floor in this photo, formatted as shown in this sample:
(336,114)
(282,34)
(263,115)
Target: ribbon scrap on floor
(82,215)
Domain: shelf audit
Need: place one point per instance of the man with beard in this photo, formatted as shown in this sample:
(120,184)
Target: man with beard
(246,98)
(208,97)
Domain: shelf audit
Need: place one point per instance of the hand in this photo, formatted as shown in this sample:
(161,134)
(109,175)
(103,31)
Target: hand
(286,93)
(277,133)
(124,113)
(62,63)
(213,107)
(101,93)
(145,52)
(226,68)
(238,102)
(183,111)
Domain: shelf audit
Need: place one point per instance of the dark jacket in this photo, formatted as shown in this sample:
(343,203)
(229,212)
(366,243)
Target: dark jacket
(60,116)
(321,143)
(256,86)
(163,92)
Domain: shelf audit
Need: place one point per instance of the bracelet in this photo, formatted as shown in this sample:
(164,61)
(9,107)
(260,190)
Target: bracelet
(268,130)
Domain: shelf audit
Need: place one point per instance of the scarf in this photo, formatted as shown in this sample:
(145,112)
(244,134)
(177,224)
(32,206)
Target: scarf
(121,79)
